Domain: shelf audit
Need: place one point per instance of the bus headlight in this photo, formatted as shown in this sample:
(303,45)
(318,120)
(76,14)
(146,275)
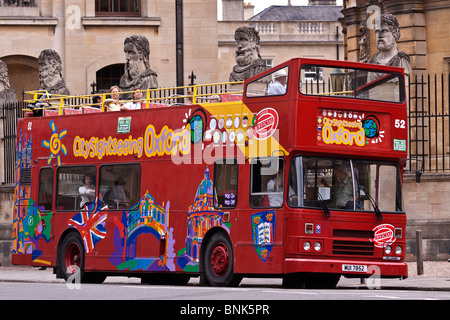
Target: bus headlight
(317,246)
(388,249)
(398,250)
(306,245)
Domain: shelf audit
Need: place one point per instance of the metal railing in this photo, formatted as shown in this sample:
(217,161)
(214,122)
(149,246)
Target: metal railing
(161,97)
(429,123)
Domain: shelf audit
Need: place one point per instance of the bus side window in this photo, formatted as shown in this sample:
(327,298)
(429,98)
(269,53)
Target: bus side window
(225,183)
(70,181)
(267,183)
(45,198)
(120,186)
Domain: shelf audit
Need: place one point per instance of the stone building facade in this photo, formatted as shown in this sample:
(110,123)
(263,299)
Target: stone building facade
(425,37)
(90,39)
(425,30)
(286,32)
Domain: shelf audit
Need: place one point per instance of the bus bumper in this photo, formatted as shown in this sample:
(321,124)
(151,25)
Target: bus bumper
(353,268)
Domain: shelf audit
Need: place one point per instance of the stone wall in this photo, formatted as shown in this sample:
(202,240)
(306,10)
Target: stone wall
(88,43)
(427,207)
(6,219)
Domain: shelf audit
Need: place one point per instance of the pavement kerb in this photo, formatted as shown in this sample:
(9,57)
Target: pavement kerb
(412,283)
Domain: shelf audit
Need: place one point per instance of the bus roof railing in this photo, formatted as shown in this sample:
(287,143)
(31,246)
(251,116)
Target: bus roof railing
(160,97)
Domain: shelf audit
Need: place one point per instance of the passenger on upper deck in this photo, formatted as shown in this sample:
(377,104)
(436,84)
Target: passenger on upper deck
(113,104)
(214,99)
(278,86)
(190,97)
(38,107)
(136,103)
(96,101)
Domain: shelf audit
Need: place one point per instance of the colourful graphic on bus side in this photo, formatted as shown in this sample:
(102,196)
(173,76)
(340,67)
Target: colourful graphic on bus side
(348,128)
(90,223)
(263,233)
(146,217)
(201,217)
(29,224)
(55,145)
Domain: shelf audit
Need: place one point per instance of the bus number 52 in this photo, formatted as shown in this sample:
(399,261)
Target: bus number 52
(399,123)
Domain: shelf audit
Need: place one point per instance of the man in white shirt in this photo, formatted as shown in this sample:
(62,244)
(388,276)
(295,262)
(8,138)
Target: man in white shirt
(278,86)
(136,103)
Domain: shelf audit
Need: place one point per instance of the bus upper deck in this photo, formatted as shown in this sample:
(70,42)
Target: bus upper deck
(311,96)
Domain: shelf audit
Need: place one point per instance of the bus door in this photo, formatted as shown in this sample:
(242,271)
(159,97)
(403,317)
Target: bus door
(262,247)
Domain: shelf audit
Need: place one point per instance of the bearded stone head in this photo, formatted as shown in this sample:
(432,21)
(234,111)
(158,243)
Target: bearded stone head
(137,55)
(50,68)
(4,78)
(389,32)
(247,45)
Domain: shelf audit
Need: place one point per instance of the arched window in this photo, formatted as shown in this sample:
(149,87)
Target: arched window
(109,76)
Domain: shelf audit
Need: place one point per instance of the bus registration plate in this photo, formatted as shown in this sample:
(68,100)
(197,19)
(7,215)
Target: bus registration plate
(354,268)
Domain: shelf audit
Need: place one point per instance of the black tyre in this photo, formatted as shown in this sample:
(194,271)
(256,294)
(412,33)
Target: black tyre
(218,262)
(71,261)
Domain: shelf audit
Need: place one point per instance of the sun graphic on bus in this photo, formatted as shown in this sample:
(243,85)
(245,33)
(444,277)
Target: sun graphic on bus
(55,144)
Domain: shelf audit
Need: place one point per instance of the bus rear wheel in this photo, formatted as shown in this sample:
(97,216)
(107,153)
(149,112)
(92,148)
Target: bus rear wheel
(218,262)
(71,261)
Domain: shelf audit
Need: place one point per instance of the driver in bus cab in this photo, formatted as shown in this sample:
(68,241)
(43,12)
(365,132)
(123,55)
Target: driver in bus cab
(342,188)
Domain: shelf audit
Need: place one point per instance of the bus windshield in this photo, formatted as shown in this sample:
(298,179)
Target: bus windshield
(351,83)
(342,184)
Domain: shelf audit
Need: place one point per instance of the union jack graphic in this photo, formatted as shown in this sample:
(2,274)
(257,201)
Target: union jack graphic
(91,225)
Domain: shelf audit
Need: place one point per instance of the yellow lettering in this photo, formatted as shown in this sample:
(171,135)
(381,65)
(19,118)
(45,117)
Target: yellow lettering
(165,143)
(343,136)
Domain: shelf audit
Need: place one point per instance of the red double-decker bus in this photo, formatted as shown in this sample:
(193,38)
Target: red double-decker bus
(299,176)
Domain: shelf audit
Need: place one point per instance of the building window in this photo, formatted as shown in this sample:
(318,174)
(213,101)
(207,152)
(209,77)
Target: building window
(269,63)
(109,76)
(117,7)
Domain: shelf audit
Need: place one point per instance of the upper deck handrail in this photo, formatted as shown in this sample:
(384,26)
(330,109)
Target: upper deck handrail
(160,96)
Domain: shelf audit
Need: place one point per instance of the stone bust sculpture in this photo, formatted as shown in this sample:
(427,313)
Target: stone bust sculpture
(248,58)
(364,46)
(50,73)
(387,36)
(137,66)
(7,94)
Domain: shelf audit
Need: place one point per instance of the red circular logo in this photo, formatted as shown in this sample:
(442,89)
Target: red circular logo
(383,233)
(266,123)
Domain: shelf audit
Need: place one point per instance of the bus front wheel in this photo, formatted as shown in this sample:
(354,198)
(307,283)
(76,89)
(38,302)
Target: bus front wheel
(218,262)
